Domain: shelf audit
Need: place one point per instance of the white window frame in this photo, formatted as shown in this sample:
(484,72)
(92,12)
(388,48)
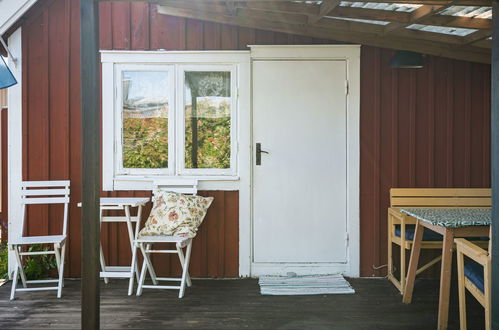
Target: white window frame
(180,123)
(118,137)
(240,120)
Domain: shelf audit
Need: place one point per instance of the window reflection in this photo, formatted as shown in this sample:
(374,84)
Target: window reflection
(145,119)
(207,99)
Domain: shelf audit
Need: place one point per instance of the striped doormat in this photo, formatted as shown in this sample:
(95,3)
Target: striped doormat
(304,285)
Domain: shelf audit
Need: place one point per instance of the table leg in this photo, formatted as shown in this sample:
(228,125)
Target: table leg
(413,264)
(445,278)
(137,229)
(131,237)
(101,252)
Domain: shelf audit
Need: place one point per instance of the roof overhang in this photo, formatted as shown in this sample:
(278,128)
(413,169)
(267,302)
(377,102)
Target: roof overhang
(11,11)
(458,29)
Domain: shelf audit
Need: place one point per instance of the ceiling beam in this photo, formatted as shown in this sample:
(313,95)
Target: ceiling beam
(394,42)
(273,16)
(326,7)
(285,7)
(484,43)
(486,3)
(476,36)
(431,36)
(405,17)
(460,22)
(371,14)
(415,2)
(416,16)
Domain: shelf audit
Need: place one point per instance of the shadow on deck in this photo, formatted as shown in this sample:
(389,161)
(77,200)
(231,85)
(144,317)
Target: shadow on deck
(235,304)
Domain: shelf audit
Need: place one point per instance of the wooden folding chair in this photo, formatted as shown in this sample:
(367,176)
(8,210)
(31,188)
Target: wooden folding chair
(475,276)
(145,244)
(32,193)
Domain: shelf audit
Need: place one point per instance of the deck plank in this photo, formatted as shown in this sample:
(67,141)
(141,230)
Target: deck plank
(235,304)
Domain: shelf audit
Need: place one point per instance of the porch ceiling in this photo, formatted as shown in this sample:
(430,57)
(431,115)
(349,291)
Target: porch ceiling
(458,29)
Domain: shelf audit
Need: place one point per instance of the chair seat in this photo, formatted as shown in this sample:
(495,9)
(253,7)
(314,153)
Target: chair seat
(474,272)
(38,240)
(428,235)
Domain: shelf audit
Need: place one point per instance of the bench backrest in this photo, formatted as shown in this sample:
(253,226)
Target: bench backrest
(440,197)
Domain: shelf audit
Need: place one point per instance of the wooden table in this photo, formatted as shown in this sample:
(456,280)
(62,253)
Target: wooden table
(124,204)
(450,223)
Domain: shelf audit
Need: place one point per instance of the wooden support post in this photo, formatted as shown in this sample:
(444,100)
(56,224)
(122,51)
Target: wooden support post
(90,154)
(495,164)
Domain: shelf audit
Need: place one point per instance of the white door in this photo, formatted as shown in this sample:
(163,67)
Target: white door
(300,185)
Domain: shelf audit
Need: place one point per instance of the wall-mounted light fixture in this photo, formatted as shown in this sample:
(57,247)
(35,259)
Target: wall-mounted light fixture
(407,60)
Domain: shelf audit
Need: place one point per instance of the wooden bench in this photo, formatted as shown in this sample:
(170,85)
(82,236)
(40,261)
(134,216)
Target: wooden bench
(401,226)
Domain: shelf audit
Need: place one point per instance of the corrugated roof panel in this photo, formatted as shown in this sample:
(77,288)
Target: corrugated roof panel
(368,21)
(310,2)
(442,29)
(468,11)
(403,7)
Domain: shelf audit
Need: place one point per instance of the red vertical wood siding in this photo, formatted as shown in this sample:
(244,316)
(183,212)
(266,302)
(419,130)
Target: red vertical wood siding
(420,128)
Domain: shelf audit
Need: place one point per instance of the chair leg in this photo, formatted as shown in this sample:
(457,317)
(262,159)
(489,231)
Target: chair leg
(57,254)
(101,252)
(150,267)
(182,263)
(390,246)
(14,282)
(103,263)
(488,294)
(61,271)
(57,257)
(461,291)
(185,270)
(141,279)
(143,271)
(19,262)
(402,266)
(133,270)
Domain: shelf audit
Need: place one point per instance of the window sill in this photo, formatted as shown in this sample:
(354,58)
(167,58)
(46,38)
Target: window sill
(207,182)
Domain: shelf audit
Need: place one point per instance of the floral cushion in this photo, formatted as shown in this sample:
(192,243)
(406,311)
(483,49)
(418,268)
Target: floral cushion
(175,214)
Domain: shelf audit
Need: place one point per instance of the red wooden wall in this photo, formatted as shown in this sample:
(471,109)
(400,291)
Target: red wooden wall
(419,128)
(426,127)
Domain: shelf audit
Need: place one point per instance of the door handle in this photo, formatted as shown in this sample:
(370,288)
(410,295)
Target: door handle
(259,152)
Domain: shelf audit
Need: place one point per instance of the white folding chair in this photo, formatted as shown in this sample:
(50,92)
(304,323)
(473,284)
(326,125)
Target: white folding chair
(41,192)
(145,244)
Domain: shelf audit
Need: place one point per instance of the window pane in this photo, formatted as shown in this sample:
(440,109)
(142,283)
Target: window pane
(145,119)
(207,102)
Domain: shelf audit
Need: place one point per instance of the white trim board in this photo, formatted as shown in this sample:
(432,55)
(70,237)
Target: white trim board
(14,148)
(351,54)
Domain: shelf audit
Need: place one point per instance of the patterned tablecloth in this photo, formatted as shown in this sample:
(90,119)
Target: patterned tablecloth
(452,218)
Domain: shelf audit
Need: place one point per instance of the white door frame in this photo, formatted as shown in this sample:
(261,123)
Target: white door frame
(351,54)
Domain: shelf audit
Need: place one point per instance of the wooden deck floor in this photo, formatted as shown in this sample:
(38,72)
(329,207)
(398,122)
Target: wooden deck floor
(234,304)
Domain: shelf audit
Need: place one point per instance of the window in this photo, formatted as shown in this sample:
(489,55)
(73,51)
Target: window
(175,119)
(207,105)
(146,98)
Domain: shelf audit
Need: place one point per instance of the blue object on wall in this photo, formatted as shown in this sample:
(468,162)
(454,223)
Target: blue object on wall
(6,77)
